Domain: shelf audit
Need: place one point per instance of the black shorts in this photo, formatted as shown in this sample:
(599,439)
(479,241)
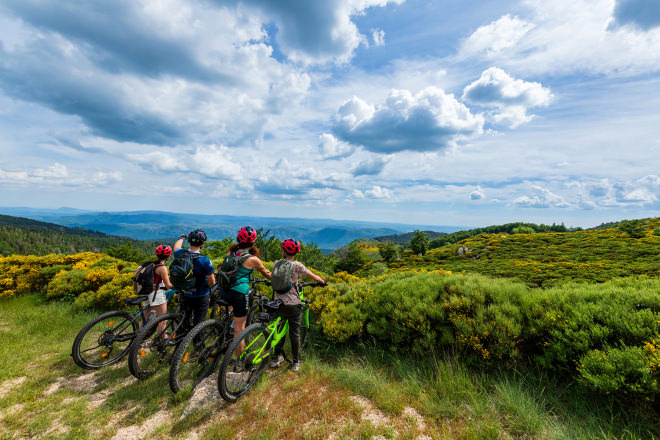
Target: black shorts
(239,301)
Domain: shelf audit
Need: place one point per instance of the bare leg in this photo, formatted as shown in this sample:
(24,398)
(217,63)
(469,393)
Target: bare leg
(239,326)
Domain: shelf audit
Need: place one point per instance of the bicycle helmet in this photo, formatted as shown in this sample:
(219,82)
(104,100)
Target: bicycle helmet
(246,235)
(290,246)
(197,237)
(163,251)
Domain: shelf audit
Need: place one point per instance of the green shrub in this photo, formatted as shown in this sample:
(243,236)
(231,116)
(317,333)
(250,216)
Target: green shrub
(618,370)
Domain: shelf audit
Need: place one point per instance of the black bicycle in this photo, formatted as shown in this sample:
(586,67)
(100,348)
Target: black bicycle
(198,354)
(155,343)
(106,339)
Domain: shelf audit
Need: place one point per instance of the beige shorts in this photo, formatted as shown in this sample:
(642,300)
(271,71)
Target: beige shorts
(158,299)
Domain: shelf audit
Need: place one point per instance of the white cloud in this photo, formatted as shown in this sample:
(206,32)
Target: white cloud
(512,97)
(376,192)
(370,167)
(566,36)
(543,198)
(55,171)
(378,37)
(477,194)
(213,161)
(496,36)
(332,148)
(431,120)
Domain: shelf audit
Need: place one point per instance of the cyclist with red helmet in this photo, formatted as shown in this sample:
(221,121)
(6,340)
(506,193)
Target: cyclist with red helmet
(291,308)
(237,293)
(157,300)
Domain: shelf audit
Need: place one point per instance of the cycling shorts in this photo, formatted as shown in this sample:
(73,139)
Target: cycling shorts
(239,301)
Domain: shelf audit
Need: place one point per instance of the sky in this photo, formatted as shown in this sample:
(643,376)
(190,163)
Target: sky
(450,112)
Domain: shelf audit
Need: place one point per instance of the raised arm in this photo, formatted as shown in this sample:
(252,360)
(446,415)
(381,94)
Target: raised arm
(179,242)
(313,276)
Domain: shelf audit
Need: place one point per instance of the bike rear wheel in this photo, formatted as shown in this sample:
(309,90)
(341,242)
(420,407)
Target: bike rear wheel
(198,354)
(105,340)
(238,374)
(153,346)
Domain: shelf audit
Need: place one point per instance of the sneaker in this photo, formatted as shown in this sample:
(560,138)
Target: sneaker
(275,362)
(295,366)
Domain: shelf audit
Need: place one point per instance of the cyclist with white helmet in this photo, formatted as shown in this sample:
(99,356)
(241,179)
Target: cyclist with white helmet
(291,308)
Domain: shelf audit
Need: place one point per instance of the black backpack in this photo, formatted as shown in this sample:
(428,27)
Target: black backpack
(226,276)
(143,280)
(182,275)
(281,276)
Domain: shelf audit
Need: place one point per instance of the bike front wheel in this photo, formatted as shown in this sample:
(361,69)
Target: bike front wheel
(198,354)
(154,345)
(105,340)
(238,373)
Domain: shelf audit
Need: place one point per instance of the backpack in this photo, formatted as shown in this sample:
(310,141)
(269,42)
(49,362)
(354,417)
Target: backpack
(182,275)
(143,280)
(280,277)
(226,276)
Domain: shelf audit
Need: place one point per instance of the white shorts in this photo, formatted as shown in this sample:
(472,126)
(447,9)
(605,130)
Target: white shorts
(158,299)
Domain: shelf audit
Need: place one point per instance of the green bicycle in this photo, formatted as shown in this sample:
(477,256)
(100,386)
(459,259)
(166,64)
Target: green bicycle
(238,373)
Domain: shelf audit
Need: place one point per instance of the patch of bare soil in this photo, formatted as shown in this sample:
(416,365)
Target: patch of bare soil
(371,413)
(143,430)
(56,427)
(8,385)
(86,382)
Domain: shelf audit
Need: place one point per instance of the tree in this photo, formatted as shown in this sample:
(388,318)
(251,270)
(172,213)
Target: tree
(269,245)
(388,251)
(217,248)
(419,243)
(127,252)
(633,228)
(312,257)
(353,260)
(522,230)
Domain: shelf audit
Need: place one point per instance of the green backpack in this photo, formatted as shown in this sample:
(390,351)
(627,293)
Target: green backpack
(226,276)
(280,278)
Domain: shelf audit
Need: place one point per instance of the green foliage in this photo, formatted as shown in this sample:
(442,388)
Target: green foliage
(499,321)
(419,243)
(547,259)
(522,230)
(496,229)
(634,228)
(656,231)
(217,249)
(127,252)
(389,252)
(353,260)
(269,245)
(312,257)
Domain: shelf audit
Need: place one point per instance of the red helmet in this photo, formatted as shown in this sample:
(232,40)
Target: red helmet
(291,246)
(246,235)
(163,251)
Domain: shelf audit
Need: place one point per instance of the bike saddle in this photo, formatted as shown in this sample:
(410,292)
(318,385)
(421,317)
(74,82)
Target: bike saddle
(222,302)
(134,301)
(272,306)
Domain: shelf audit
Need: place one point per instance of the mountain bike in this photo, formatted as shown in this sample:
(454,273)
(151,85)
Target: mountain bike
(155,343)
(238,373)
(106,339)
(198,354)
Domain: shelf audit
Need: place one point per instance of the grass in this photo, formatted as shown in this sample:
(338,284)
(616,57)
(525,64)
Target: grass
(347,392)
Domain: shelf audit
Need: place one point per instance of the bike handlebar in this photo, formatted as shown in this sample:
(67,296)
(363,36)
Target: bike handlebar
(314,284)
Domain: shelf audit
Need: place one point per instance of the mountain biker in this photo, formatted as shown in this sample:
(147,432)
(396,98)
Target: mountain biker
(197,301)
(157,300)
(291,308)
(237,293)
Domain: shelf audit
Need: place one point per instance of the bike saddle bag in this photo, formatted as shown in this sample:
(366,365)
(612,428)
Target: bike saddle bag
(272,306)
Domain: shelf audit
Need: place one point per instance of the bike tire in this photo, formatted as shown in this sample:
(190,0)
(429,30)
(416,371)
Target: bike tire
(112,344)
(150,350)
(233,384)
(197,355)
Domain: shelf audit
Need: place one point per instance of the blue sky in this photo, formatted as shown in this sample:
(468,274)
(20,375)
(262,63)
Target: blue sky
(458,112)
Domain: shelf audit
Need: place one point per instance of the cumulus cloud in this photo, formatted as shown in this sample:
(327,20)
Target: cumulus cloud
(477,194)
(431,120)
(376,192)
(512,97)
(213,161)
(370,167)
(567,36)
(610,193)
(316,31)
(332,148)
(543,198)
(58,175)
(495,37)
(643,14)
(188,80)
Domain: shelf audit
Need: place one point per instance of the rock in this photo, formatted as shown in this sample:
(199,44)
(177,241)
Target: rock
(463,250)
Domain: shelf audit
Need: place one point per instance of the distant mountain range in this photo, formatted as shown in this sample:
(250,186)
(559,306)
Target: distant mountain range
(156,225)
